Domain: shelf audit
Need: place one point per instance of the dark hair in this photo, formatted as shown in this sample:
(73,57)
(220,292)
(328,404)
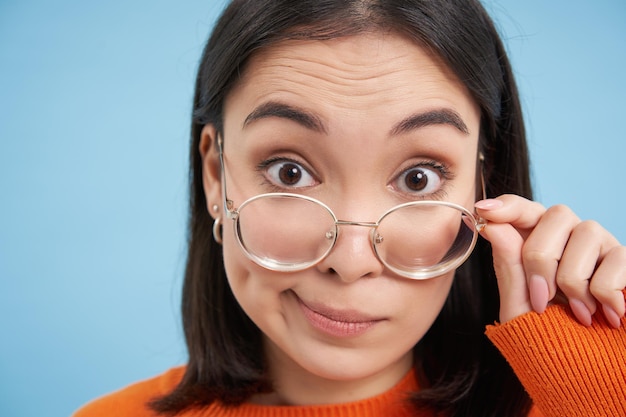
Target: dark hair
(464,375)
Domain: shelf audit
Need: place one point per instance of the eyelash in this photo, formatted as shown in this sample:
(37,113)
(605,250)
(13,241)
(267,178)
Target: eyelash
(441,168)
(263,166)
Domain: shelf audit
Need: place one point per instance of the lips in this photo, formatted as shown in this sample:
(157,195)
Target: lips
(338,323)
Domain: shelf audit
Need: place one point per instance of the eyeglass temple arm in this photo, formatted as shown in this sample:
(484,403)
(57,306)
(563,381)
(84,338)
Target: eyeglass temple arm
(228,204)
(481,160)
(480,222)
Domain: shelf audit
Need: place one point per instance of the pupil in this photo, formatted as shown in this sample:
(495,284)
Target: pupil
(290,174)
(416,180)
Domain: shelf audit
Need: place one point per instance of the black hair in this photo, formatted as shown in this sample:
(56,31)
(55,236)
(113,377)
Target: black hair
(462,373)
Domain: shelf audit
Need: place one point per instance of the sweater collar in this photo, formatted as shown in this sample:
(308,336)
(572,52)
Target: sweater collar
(393,402)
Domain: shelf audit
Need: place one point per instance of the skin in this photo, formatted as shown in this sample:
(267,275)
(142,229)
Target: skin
(354,93)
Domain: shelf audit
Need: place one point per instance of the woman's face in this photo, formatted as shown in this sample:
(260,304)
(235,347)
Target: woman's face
(349,122)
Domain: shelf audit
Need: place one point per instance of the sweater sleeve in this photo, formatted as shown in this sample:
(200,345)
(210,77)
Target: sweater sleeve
(568,369)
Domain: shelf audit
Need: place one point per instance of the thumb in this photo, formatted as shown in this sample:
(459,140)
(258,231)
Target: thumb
(506,243)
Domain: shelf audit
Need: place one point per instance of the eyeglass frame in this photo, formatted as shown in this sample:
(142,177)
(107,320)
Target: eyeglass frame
(233,213)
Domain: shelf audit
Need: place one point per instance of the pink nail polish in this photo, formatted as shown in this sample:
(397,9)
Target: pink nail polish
(611,316)
(539,293)
(489,204)
(581,311)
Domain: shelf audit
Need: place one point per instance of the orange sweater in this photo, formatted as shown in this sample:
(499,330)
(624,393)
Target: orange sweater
(568,369)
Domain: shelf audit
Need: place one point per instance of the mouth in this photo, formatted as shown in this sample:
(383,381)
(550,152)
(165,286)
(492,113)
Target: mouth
(337,323)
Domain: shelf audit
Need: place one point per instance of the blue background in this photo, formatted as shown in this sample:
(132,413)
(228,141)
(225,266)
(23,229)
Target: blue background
(94,113)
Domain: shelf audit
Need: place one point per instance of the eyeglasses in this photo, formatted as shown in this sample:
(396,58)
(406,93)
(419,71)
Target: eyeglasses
(291,232)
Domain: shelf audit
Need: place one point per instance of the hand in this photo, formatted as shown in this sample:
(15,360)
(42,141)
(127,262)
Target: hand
(539,252)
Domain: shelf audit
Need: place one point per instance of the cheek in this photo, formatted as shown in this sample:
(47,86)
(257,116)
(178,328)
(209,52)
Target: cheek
(256,289)
(423,301)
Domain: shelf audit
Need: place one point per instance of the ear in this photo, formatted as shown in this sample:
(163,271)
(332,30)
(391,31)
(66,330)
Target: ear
(211,170)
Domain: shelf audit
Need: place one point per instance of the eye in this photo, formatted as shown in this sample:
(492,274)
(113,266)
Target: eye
(287,173)
(421,180)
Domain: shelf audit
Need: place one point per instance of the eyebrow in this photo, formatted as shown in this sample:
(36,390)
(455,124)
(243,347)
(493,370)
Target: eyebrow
(285,111)
(443,116)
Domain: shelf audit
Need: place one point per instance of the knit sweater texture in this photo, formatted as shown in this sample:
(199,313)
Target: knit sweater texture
(568,370)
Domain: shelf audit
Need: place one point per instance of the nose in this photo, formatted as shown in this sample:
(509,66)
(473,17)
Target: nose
(353,256)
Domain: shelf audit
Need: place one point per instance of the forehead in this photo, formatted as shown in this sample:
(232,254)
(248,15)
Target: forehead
(362,76)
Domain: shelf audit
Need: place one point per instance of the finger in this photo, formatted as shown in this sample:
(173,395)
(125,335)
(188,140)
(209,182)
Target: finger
(589,243)
(506,244)
(542,252)
(608,283)
(521,213)
(588,246)
(578,263)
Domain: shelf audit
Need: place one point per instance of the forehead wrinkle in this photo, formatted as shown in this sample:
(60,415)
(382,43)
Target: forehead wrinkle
(351,85)
(365,65)
(347,60)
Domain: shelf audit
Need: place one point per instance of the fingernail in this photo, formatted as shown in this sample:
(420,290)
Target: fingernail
(581,311)
(611,316)
(539,293)
(489,204)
